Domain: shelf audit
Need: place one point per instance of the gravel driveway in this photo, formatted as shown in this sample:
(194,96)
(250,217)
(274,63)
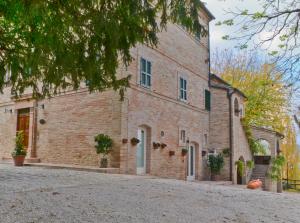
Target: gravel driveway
(32,194)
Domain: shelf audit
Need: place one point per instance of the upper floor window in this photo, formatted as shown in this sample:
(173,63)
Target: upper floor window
(207,100)
(198,36)
(183,89)
(182,136)
(205,141)
(236,107)
(145,76)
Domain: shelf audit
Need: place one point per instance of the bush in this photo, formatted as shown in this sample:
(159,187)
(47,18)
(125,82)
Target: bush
(215,163)
(104,144)
(19,148)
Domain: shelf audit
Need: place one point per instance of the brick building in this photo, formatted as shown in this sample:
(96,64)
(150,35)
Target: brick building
(172,100)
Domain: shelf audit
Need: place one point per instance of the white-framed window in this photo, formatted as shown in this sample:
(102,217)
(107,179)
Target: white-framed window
(145,73)
(182,89)
(242,111)
(182,136)
(205,140)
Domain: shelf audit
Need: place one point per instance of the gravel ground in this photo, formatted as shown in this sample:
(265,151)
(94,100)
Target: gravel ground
(31,194)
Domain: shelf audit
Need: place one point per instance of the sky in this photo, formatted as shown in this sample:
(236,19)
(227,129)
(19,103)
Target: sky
(218,8)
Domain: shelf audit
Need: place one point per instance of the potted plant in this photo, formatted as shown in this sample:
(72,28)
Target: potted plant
(104,147)
(184,151)
(19,152)
(134,141)
(240,167)
(215,164)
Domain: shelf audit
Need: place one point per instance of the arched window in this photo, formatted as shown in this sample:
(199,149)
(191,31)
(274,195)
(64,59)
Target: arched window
(236,107)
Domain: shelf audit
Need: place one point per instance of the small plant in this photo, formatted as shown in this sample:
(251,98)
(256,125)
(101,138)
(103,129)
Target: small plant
(134,141)
(250,164)
(275,173)
(19,152)
(156,145)
(226,152)
(104,147)
(184,151)
(215,163)
(240,167)
(163,145)
(19,148)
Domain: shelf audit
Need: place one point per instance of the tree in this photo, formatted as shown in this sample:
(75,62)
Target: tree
(268,101)
(275,27)
(51,45)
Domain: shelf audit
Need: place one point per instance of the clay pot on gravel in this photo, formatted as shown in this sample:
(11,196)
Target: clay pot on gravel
(19,160)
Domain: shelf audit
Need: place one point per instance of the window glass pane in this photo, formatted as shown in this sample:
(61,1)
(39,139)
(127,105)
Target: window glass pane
(143,79)
(181,83)
(148,81)
(143,63)
(181,94)
(184,85)
(149,67)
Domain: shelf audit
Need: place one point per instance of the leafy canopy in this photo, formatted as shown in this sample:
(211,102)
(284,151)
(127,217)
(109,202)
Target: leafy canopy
(54,45)
(274,27)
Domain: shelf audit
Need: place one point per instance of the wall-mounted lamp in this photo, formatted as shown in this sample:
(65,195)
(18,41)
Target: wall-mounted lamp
(7,110)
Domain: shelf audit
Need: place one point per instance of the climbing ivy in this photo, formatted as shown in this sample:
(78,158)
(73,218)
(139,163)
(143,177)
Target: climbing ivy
(275,172)
(254,145)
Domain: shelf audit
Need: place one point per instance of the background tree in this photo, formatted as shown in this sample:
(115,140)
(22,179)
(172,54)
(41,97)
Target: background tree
(52,45)
(268,102)
(275,27)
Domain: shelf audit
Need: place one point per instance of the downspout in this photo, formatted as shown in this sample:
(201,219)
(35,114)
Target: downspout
(229,94)
(209,60)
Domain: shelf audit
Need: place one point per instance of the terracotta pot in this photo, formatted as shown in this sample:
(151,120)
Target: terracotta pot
(103,163)
(19,160)
(254,184)
(215,177)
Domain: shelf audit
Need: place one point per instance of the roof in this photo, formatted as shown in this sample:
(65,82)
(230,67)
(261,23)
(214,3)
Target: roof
(210,15)
(227,85)
(268,130)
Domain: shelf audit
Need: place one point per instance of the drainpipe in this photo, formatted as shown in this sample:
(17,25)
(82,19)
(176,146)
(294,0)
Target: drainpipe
(209,60)
(229,94)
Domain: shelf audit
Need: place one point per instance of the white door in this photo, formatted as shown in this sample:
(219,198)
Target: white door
(141,152)
(191,162)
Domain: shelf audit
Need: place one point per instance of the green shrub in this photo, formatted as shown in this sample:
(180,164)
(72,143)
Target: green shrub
(19,148)
(215,163)
(104,144)
(240,167)
(250,164)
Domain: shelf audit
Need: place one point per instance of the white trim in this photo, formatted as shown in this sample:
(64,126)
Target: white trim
(191,170)
(142,170)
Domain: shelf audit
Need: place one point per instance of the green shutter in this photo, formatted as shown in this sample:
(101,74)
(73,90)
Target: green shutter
(207,100)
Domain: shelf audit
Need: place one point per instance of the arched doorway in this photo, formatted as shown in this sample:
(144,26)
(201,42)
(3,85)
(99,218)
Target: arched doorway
(240,172)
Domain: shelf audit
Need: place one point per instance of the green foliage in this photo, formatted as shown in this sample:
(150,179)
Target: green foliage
(250,164)
(215,163)
(277,164)
(53,46)
(226,152)
(19,148)
(240,167)
(104,144)
(255,146)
